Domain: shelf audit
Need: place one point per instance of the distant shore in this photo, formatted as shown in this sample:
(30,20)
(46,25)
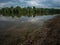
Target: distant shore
(28,11)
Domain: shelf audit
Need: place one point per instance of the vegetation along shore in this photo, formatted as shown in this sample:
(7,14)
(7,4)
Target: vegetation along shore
(27,11)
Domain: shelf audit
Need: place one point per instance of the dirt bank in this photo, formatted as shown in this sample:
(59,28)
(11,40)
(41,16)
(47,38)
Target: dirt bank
(49,35)
(53,34)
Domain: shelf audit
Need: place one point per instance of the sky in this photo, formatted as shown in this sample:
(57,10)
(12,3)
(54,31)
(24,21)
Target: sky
(26,3)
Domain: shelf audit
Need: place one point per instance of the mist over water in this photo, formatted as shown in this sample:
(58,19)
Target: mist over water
(7,22)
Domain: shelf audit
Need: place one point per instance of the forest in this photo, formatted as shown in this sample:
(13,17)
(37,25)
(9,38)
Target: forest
(27,11)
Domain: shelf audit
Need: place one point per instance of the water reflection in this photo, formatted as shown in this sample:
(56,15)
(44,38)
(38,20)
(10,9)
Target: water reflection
(7,22)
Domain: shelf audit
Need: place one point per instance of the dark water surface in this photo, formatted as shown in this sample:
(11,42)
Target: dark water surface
(7,22)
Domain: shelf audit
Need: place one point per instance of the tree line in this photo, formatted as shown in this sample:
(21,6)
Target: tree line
(27,11)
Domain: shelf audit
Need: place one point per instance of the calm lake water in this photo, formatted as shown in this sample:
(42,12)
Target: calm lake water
(7,22)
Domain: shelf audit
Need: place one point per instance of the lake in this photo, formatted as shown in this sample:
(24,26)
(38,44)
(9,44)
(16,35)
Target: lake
(7,22)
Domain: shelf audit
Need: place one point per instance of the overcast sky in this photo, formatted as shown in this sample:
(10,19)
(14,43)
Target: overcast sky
(36,3)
